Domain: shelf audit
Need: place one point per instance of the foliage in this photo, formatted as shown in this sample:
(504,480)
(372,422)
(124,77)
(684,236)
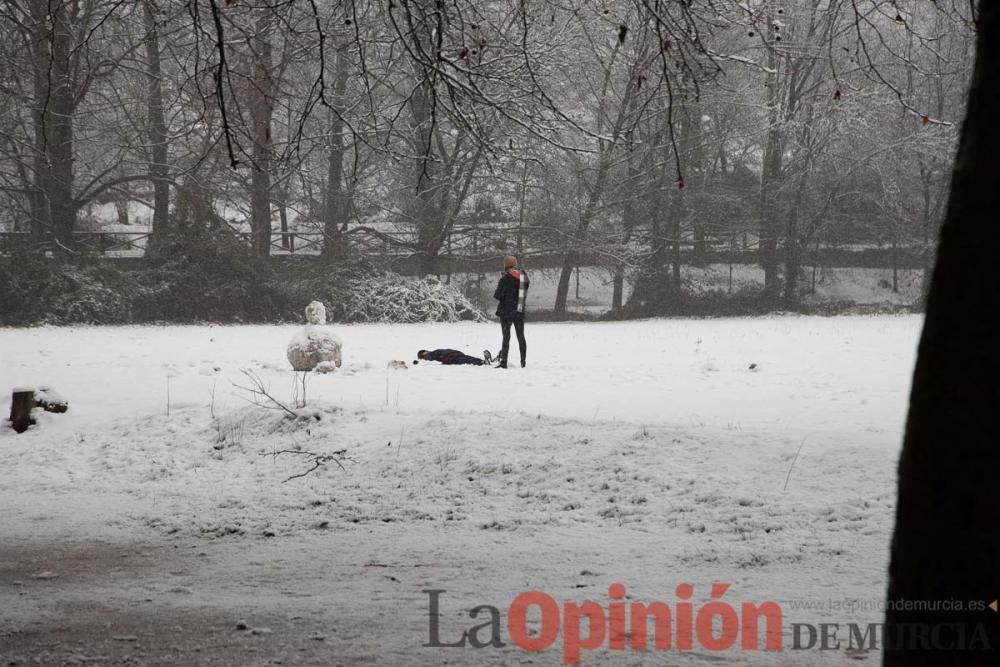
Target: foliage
(387,298)
(202,274)
(212,278)
(38,290)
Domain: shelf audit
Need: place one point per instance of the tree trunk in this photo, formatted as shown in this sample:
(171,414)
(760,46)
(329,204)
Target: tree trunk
(699,251)
(121,208)
(21,404)
(793,262)
(658,244)
(793,246)
(281,200)
(770,173)
(572,257)
(63,102)
(54,211)
(41,217)
(157,127)
(335,204)
(697,178)
(261,111)
(628,226)
(570,260)
(652,286)
(946,545)
(332,206)
(425,206)
(519,240)
(617,289)
(674,291)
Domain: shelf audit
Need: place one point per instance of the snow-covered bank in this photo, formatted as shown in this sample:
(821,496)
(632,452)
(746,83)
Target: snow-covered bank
(644,452)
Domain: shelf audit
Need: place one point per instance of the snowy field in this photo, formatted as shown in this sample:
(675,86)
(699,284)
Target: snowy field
(153,520)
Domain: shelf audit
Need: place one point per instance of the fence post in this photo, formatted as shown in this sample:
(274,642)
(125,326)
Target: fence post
(448,261)
(815,259)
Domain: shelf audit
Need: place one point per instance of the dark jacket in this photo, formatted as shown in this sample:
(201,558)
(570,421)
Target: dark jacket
(444,356)
(507,294)
(452,358)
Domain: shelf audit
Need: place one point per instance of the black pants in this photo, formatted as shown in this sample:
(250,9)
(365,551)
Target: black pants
(518,323)
(461,360)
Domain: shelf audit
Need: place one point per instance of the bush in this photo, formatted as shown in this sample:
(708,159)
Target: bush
(201,274)
(212,277)
(35,289)
(25,284)
(89,296)
(391,298)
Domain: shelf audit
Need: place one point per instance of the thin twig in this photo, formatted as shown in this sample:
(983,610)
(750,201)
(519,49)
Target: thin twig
(794,459)
(317,460)
(258,389)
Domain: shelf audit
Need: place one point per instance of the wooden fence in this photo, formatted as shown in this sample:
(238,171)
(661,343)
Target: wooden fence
(470,249)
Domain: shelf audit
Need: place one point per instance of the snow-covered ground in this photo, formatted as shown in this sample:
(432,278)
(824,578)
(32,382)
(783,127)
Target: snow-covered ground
(648,453)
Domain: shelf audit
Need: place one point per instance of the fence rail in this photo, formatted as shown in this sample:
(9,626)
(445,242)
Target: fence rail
(470,247)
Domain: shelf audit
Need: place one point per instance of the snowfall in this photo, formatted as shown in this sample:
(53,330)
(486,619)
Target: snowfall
(175,516)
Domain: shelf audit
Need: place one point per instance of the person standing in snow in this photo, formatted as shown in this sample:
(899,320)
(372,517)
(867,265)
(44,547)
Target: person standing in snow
(512,292)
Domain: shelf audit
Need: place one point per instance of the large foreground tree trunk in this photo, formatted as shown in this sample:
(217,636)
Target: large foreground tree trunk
(947,543)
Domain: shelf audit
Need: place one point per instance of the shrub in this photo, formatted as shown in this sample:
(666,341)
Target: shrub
(205,276)
(392,298)
(35,289)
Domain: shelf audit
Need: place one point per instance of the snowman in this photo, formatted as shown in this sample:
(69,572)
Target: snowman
(314,348)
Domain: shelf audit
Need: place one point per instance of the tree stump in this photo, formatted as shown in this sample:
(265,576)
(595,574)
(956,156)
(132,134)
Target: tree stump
(21,404)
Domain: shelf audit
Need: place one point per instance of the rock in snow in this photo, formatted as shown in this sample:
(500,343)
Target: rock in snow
(325,367)
(314,346)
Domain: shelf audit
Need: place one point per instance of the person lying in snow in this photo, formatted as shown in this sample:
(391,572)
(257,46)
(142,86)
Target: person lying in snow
(454,357)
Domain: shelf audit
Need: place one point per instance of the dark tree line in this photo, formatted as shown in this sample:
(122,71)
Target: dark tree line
(635,134)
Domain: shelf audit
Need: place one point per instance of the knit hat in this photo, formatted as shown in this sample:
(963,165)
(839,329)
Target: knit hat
(509,262)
